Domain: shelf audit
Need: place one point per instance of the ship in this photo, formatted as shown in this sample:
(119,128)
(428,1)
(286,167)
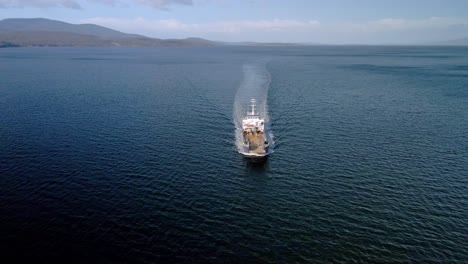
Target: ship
(254,140)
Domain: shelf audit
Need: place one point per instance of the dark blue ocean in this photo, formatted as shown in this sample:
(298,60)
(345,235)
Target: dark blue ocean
(128,155)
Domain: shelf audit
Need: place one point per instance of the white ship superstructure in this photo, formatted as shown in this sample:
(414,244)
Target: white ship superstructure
(253,138)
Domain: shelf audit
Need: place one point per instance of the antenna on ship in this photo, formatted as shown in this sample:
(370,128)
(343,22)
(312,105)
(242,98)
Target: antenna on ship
(253,106)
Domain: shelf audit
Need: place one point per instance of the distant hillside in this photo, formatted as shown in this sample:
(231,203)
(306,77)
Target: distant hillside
(19,32)
(272,44)
(42,24)
(47,38)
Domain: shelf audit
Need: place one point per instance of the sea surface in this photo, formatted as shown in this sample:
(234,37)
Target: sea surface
(129,155)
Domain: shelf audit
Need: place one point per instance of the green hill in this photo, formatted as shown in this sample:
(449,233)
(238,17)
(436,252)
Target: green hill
(20,32)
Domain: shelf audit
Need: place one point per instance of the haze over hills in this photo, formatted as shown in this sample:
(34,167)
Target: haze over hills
(19,32)
(455,42)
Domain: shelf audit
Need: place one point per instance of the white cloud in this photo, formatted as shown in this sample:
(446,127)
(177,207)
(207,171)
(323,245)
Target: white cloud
(109,2)
(159,4)
(393,24)
(74,4)
(222,26)
(389,30)
(162,4)
(39,3)
(393,30)
(274,24)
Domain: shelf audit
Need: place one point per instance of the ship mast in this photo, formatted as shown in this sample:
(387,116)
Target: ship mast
(253,106)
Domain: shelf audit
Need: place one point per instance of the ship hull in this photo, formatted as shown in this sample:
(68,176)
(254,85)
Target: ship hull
(254,155)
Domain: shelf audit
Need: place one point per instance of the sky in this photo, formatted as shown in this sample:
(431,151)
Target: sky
(304,21)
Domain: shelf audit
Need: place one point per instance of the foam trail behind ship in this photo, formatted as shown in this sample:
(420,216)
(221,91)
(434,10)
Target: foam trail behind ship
(254,85)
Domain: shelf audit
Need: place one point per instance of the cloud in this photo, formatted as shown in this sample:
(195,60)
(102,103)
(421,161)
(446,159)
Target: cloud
(396,30)
(39,3)
(159,4)
(163,4)
(221,26)
(389,30)
(394,24)
(271,25)
(109,2)
(74,4)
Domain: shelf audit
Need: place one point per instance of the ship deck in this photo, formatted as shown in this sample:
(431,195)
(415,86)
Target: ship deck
(256,143)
